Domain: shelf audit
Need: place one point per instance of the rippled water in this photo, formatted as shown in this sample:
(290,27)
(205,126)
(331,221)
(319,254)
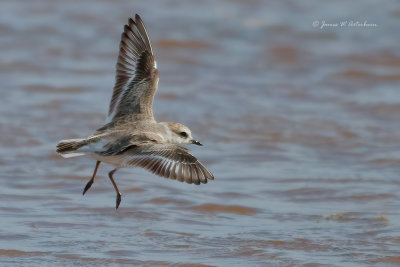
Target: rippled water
(300,125)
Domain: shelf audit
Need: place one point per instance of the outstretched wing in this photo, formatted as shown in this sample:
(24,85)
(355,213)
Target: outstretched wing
(137,75)
(167,160)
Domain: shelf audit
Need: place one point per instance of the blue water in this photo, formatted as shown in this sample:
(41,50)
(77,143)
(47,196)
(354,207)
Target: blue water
(300,126)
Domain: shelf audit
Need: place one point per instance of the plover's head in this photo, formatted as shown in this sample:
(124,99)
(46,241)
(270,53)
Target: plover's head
(179,133)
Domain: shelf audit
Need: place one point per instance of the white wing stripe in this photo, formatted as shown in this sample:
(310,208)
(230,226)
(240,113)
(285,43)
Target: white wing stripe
(123,91)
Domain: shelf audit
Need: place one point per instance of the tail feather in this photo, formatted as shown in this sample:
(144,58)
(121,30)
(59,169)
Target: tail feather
(68,148)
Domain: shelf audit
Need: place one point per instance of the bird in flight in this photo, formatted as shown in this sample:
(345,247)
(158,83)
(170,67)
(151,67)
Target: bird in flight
(131,137)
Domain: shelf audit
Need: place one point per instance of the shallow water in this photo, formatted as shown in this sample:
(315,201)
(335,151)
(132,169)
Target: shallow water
(300,126)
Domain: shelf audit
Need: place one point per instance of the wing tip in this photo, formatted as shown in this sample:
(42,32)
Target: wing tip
(135,21)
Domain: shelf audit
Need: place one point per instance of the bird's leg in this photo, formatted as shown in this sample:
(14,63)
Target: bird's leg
(89,184)
(110,174)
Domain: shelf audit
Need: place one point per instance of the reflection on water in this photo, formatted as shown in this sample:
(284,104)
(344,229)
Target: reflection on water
(300,127)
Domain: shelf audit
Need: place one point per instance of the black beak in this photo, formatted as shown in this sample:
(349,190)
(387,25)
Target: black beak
(196,142)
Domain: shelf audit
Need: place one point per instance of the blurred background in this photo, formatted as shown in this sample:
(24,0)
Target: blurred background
(300,125)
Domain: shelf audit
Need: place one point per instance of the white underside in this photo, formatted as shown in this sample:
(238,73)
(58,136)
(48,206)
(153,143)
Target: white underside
(71,155)
(112,160)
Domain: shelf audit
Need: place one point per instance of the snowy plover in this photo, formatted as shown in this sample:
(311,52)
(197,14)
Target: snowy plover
(131,137)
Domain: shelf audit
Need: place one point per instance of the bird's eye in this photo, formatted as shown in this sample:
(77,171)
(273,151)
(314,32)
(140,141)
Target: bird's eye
(183,134)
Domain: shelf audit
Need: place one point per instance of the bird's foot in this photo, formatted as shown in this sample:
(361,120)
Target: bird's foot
(88,185)
(118,200)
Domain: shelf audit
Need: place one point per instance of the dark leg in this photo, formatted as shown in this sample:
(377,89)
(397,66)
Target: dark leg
(89,184)
(110,174)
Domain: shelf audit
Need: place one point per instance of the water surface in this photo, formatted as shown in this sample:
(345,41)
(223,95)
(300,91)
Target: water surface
(300,125)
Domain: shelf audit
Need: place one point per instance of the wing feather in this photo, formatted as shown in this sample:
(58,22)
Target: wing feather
(167,160)
(136,77)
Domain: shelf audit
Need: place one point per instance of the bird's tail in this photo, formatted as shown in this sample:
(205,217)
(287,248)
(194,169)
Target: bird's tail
(69,148)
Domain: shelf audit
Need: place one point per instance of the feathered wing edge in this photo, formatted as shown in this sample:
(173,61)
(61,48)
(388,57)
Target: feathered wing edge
(135,64)
(169,161)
